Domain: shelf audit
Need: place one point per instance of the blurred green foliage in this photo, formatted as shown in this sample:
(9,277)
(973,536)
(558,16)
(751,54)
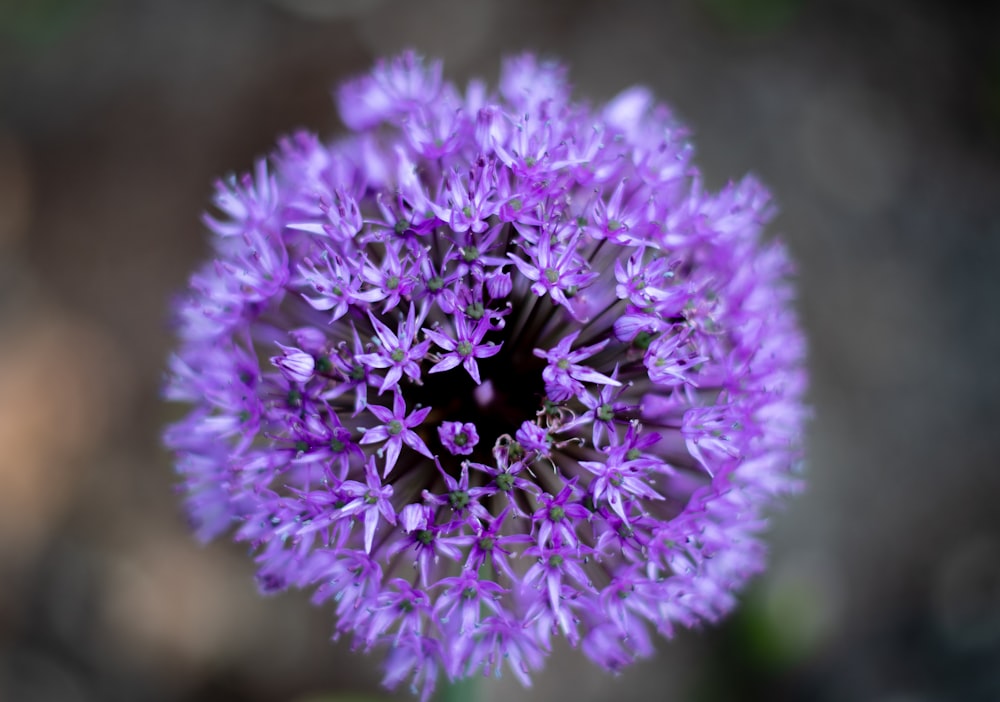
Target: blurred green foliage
(40,22)
(754,16)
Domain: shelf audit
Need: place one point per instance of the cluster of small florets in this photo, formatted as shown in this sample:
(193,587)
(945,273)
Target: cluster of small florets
(494,367)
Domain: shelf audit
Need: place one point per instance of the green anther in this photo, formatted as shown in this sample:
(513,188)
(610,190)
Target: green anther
(294,398)
(551,409)
(557,513)
(406,605)
(469,593)
(623,594)
(435,283)
(336,445)
(515,450)
(244,416)
(530,161)
(397,355)
(425,536)
(605,412)
(616,480)
(401,226)
(392,282)
(551,275)
(487,543)
(470,254)
(458,499)
(467,211)
(614,225)
(556,561)
(461,438)
(581,221)
(323,365)
(301,446)
(357,373)
(395,427)
(562,363)
(571,291)
(516,204)
(504,481)
(371,499)
(633,454)
(464,348)
(475,310)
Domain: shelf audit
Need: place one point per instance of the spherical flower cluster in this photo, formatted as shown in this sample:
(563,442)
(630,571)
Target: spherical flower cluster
(494,368)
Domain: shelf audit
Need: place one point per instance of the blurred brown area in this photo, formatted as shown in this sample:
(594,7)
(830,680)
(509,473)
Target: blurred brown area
(876,124)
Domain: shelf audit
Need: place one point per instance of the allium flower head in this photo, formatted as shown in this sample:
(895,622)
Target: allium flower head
(493,368)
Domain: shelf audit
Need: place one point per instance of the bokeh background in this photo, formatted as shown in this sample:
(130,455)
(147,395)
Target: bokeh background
(877,124)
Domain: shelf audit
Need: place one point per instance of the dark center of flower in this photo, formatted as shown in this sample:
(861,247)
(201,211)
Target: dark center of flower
(458,499)
(512,391)
(504,481)
(323,365)
(642,340)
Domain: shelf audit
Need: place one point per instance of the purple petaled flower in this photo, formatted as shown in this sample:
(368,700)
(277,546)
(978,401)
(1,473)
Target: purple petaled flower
(458,439)
(532,379)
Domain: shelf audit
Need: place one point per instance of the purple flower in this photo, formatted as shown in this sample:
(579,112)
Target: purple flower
(459,439)
(296,365)
(396,352)
(534,378)
(465,349)
(396,429)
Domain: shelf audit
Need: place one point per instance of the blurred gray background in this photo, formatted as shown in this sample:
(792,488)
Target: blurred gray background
(877,125)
